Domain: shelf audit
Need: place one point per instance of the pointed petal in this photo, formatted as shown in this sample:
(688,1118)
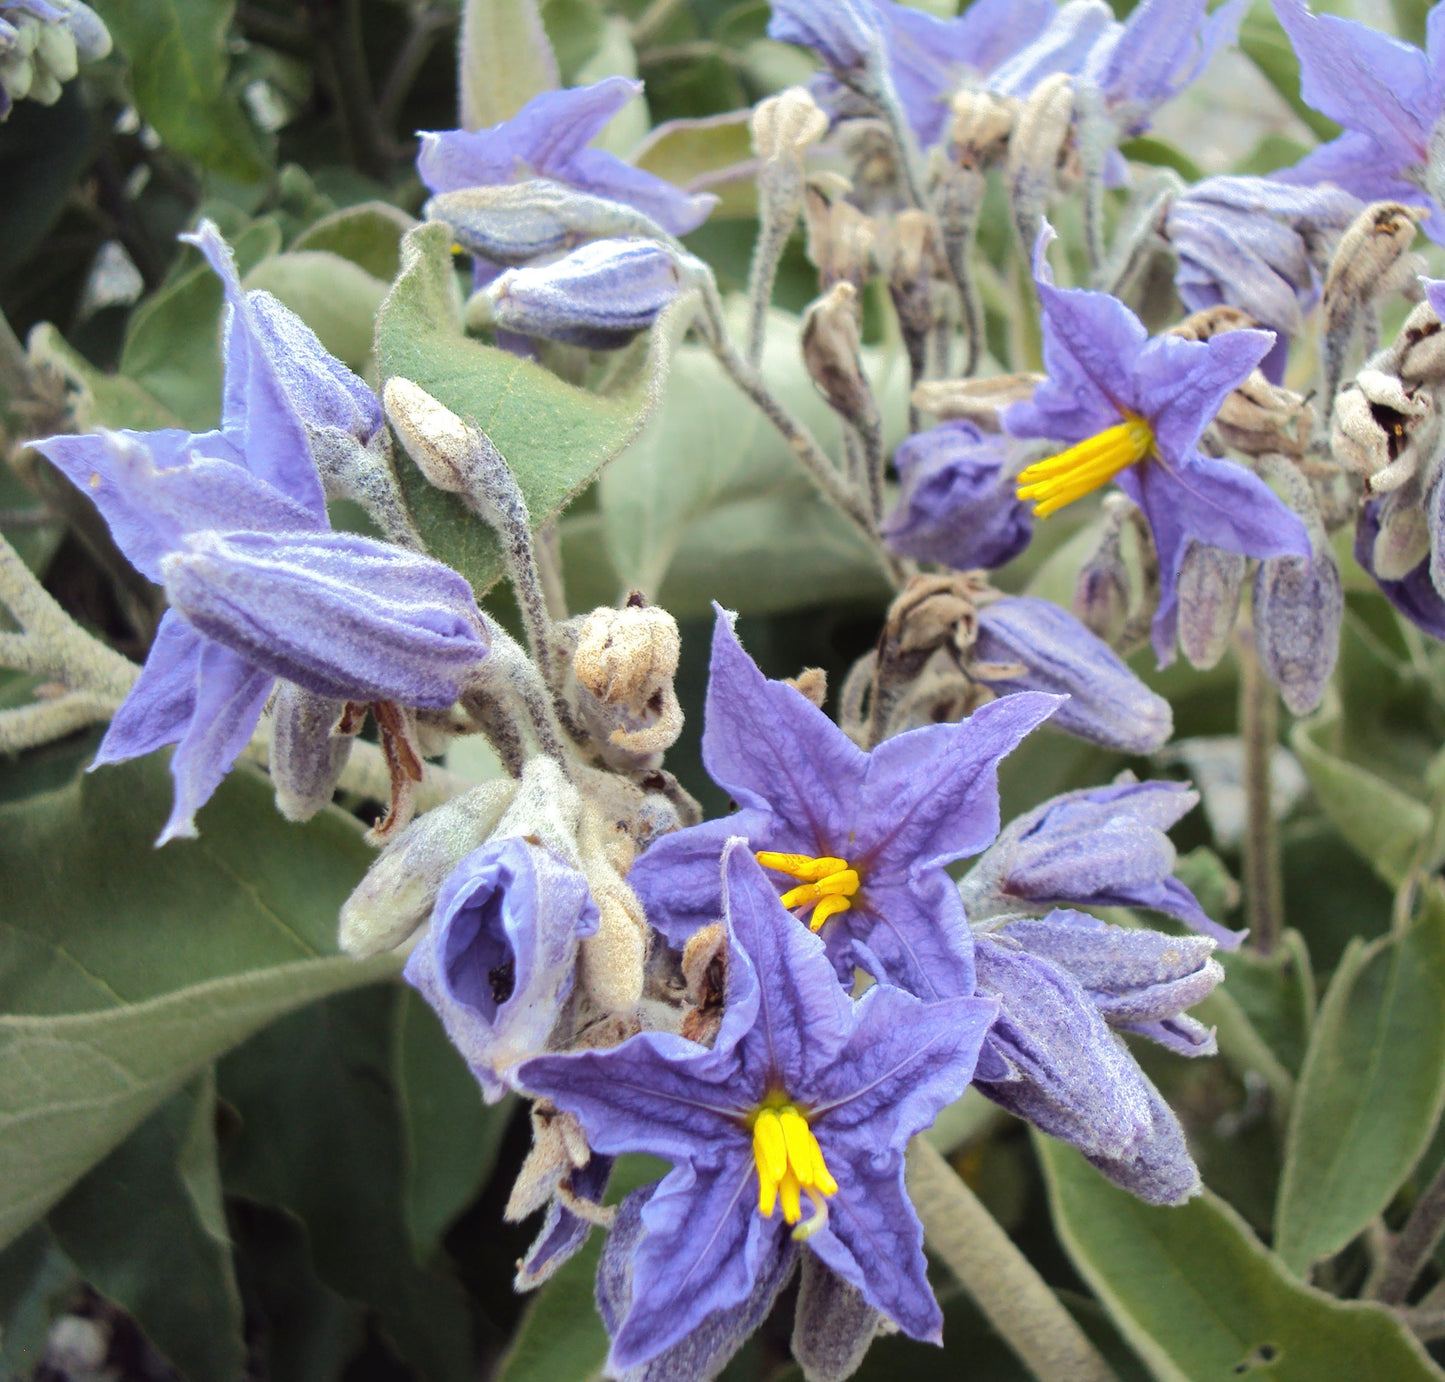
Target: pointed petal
(676,211)
(230,696)
(930,796)
(1181,384)
(773,749)
(162,701)
(911,932)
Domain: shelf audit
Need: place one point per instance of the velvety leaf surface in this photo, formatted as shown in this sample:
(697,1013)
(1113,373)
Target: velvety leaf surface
(147,1229)
(555,435)
(493,91)
(1200,1299)
(1371,1090)
(118,982)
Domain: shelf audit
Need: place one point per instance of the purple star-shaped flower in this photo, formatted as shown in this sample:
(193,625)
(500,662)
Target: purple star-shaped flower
(1132,408)
(1064,981)
(1099,847)
(1386,93)
(879,826)
(549,138)
(233,523)
(847,1085)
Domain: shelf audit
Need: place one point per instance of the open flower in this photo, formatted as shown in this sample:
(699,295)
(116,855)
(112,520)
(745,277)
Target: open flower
(550,138)
(857,841)
(1064,981)
(1131,409)
(1386,93)
(792,1128)
(233,522)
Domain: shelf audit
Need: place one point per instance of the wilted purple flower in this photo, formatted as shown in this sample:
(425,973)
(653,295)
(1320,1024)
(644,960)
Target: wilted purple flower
(865,836)
(234,523)
(957,506)
(806,1098)
(1414,595)
(1107,704)
(599,296)
(1131,409)
(549,138)
(1386,93)
(497,962)
(1064,980)
(1259,245)
(1100,847)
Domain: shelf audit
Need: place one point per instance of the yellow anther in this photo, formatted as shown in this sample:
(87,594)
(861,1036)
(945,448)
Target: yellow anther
(825,884)
(790,1165)
(1083,468)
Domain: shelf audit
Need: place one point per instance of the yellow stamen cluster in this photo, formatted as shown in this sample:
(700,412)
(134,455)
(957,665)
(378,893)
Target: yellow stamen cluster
(1085,467)
(825,884)
(790,1165)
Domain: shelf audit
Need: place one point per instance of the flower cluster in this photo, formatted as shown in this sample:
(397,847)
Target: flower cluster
(42,44)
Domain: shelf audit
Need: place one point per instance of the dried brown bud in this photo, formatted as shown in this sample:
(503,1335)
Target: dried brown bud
(1212,321)
(786,125)
(1259,418)
(1370,260)
(982,124)
(831,343)
(840,238)
(812,682)
(1380,429)
(979,401)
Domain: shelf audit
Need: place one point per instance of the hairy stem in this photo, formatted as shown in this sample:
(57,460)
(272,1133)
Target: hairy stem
(1001,1280)
(1259,729)
(1412,1247)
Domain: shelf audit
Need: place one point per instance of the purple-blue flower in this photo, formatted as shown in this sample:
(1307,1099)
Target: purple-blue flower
(549,138)
(1044,648)
(928,59)
(1386,93)
(1414,594)
(857,841)
(599,296)
(1064,982)
(233,522)
(498,960)
(957,504)
(1099,847)
(1131,408)
(1260,245)
(805,1104)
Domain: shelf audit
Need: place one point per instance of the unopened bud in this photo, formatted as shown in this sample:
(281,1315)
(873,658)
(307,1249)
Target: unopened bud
(1370,260)
(982,124)
(1402,543)
(401,887)
(1209,584)
(1299,605)
(307,755)
(831,351)
(514,223)
(599,296)
(1036,151)
(434,436)
(1102,592)
(785,126)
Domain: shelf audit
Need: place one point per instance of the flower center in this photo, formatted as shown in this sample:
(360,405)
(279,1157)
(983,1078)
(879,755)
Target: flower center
(1086,466)
(790,1165)
(825,884)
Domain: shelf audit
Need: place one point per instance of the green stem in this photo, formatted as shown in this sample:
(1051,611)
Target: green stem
(1015,1298)
(1259,730)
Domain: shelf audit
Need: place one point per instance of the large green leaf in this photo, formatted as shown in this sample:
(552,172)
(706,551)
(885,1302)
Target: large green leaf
(1201,1300)
(124,971)
(1381,823)
(710,503)
(1371,1090)
(320,1136)
(451,1138)
(178,51)
(556,437)
(504,59)
(147,1228)
(368,234)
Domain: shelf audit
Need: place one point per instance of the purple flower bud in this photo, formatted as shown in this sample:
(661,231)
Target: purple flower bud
(1299,605)
(957,505)
(499,958)
(1107,703)
(600,296)
(344,616)
(1209,584)
(306,757)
